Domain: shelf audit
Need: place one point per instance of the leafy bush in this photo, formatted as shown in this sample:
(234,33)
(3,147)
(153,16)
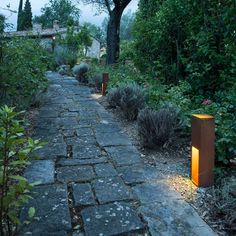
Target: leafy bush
(155,128)
(118,74)
(176,39)
(129,97)
(15,150)
(22,68)
(74,43)
(183,99)
(126,51)
(225,123)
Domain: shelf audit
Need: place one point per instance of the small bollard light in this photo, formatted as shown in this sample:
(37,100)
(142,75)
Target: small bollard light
(203,150)
(105,78)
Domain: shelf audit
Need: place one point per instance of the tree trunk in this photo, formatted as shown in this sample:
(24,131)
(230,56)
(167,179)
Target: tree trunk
(113,36)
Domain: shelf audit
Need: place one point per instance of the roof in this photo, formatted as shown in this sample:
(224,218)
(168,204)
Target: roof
(44,33)
(32,33)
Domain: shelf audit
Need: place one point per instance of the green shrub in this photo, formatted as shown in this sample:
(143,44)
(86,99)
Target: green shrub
(184,100)
(15,150)
(126,51)
(176,39)
(155,128)
(22,68)
(225,126)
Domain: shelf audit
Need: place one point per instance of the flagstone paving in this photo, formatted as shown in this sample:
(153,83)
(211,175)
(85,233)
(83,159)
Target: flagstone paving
(92,179)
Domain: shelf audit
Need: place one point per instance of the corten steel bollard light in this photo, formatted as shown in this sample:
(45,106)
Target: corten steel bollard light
(203,150)
(105,78)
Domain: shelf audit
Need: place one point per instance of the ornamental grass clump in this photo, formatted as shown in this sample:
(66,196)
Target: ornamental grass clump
(129,97)
(114,97)
(132,101)
(155,128)
(15,150)
(96,82)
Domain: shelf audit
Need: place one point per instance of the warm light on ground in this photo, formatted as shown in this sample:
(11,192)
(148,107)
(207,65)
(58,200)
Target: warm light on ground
(184,186)
(96,95)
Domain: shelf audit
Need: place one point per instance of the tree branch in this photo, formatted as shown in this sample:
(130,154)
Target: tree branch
(108,6)
(7,9)
(124,3)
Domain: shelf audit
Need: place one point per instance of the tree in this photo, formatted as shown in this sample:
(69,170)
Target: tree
(20,15)
(115,9)
(193,40)
(96,31)
(2,23)
(61,10)
(126,26)
(27,16)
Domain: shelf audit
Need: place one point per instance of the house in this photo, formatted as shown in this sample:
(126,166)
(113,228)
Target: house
(47,37)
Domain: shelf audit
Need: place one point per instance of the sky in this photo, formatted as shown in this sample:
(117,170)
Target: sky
(87,11)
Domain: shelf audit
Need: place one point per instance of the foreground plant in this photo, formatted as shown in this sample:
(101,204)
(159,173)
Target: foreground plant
(129,97)
(155,128)
(15,150)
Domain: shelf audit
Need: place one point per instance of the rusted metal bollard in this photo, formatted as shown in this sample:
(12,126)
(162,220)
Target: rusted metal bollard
(105,78)
(203,150)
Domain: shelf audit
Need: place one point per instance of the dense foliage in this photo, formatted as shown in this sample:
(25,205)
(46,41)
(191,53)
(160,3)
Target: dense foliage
(194,42)
(97,32)
(2,23)
(73,46)
(15,150)
(24,19)
(27,16)
(62,11)
(19,15)
(184,101)
(188,39)
(115,9)
(22,68)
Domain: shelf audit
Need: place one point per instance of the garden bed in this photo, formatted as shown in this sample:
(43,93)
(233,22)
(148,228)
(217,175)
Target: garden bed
(173,163)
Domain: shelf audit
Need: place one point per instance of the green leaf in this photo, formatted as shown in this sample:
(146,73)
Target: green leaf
(13,216)
(36,183)
(31,212)
(18,177)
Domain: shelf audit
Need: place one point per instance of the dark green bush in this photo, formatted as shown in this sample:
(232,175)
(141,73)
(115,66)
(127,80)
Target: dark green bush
(15,151)
(22,68)
(179,39)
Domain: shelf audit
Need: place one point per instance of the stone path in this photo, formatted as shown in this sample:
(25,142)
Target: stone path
(93,181)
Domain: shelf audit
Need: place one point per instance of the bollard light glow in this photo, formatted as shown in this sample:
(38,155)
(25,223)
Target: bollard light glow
(203,150)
